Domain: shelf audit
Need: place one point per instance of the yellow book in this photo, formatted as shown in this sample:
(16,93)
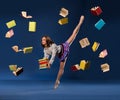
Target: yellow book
(82,64)
(13,67)
(27,50)
(32,26)
(63,21)
(44,59)
(95,46)
(11,24)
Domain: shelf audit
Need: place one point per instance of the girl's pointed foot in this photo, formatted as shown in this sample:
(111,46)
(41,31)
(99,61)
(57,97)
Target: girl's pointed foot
(81,19)
(56,84)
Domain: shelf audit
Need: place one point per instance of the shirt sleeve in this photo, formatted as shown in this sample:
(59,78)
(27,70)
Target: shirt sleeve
(54,51)
(46,55)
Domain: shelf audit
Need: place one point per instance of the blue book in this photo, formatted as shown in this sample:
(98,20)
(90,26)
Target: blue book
(100,24)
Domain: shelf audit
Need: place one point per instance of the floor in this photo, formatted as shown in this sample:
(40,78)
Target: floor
(68,90)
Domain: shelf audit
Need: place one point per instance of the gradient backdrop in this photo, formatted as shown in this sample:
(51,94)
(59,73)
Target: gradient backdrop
(46,14)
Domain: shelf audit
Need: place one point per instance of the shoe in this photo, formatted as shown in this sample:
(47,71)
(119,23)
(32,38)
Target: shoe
(56,84)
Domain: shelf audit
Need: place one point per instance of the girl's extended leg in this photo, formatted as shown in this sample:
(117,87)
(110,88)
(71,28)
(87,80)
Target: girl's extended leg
(76,30)
(60,73)
(70,40)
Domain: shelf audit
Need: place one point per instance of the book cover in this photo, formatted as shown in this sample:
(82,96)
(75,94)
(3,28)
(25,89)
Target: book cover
(95,46)
(75,67)
(18,71)
(9,34)
(96,11)
(63,21)
(13,67)
(32,26)
(105,67)
(11,24)
(100,24)
(63,12)
(84,42)
(27,50)
(103,53)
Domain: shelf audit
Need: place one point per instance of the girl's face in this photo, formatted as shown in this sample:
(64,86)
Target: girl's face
(44,41)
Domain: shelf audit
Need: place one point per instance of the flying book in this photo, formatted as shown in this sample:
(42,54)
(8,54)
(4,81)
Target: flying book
(15,48)
(24,14)
(18,71)
(63,21)
(63,12)
(84,64)
(75,67)
(13,67)
(96,11)
(105,67)
(11,24)
(103,53)
(84,42)
(32,26)
(100,24)
(27,50)
(95,46)
(9,34)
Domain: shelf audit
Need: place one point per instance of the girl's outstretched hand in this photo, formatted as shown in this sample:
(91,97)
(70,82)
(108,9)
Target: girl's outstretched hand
(49,65)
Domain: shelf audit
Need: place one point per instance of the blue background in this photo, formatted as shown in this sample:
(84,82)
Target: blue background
(46,14)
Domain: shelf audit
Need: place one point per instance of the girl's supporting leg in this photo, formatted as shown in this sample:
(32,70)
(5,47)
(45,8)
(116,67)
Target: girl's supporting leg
(60,73)
(76,30)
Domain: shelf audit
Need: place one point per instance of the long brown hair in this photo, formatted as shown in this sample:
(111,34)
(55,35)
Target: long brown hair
(48,41)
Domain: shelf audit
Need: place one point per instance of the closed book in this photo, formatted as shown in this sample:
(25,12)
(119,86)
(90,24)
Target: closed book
(82,64)
(44,59)
(43,62)
(43,65)
(11,24)
(95,46)
(27,50)
(32,26)
(100,24)
(63,21)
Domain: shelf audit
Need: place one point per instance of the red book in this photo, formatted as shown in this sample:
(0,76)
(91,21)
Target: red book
(44,62)
(75,67)
(96,11)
